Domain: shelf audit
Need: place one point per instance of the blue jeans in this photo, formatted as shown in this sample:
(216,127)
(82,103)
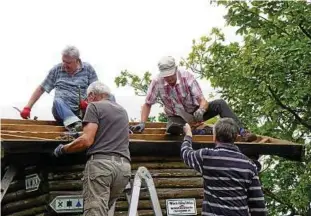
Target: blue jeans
(62,113)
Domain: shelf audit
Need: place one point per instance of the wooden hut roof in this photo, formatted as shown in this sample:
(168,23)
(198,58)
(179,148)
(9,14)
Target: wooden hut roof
(20,136)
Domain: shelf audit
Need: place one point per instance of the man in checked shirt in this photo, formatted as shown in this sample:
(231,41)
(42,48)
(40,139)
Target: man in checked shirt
(231,183)
(180,93)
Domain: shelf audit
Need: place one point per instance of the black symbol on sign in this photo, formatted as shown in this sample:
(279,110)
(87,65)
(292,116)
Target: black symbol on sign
(60,204)
(69,203)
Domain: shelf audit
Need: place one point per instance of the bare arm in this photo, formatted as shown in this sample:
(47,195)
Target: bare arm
(145,112)
(84,141)
(203,103)
(35,96)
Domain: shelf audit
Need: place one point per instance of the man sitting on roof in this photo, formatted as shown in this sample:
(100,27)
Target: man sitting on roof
(183,101)
(70,80)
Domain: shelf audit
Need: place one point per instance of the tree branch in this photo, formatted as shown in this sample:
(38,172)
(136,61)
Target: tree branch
(263,18)
(279,102)
(304,31)
(273,196)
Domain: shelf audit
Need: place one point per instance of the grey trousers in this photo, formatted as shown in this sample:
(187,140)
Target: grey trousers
(215,107)
(103,183)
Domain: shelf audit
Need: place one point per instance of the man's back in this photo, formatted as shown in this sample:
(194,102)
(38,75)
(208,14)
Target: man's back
(231,183)
(112,134)
(227,177)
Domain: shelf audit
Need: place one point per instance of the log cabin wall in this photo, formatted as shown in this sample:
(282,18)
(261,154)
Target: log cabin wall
(172,178)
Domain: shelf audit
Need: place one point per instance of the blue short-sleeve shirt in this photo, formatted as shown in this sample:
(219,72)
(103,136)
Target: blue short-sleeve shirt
(67,85)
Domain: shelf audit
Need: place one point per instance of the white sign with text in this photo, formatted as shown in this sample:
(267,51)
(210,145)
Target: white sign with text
(181,207)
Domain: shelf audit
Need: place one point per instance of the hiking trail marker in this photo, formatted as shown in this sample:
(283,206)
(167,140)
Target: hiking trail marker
(67,204)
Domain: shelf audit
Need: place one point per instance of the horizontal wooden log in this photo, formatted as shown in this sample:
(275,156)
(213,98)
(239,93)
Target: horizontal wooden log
(146,204)
(149,212)
(16,185)
(168,173)
(25,204)
(30,211)
(18,195)
(191,182)
(149,165)
(163,193)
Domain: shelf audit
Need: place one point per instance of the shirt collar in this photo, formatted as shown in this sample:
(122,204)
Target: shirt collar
(178,78)
(79,69)
(230,146)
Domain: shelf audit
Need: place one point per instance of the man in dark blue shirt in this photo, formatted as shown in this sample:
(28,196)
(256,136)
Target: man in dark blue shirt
(231,183)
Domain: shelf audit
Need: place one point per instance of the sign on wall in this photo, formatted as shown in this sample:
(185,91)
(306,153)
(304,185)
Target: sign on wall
(181,207)
(67,204)
(32,182)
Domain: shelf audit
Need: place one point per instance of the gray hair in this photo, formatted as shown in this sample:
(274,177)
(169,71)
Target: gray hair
(226,130)
(71,51)
(98,88)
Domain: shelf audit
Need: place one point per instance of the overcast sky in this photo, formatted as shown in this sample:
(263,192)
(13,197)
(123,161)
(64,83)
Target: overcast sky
(111,35)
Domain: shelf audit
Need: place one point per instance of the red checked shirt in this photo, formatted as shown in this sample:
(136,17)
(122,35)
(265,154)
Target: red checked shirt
(184,95)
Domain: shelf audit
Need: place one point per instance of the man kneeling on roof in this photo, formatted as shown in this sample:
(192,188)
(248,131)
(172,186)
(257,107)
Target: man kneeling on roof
(105,137)
(183,101)
(231,183)
(70,80)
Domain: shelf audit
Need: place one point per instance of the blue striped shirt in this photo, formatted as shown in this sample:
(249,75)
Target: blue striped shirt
(67,86)
(231,183)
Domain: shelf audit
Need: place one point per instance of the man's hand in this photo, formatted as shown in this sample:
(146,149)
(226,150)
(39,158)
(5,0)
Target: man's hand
(25,114)
(138,128)
(83,104)
(58,151)
(198,115)
(187,130)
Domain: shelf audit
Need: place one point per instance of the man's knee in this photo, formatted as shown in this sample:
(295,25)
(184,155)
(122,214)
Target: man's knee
(220,101)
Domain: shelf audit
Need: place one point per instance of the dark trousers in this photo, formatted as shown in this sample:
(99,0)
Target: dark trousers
(215,107)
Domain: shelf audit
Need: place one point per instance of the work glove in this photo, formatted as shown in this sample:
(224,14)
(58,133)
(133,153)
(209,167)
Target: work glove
(198,115)
(58,151)
(138,128)
(83,104)
(25,114)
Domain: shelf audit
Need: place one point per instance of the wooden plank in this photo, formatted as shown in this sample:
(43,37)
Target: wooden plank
(33,128)
(49,122)
(26,121)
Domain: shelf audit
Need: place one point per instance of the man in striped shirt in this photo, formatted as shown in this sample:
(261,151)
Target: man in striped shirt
(231,183)
(182,96)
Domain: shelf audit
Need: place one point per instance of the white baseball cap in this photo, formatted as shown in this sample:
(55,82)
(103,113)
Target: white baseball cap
(167,66)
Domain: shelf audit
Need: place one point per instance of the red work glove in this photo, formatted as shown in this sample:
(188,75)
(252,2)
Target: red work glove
(83,104)
(25,114)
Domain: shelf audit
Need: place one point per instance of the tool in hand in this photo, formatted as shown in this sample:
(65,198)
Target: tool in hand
(80,110)
(35,118)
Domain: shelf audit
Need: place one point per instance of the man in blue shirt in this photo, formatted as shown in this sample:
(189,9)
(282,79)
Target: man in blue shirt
(70,79)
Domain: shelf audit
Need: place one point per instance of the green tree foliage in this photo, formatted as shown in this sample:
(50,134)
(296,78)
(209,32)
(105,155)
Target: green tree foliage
(267,80)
